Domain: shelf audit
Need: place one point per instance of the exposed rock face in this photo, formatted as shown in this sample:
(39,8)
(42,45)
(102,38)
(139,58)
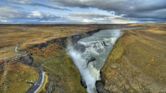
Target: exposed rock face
(137,64)
(27,59)
(100,87)
(83,83)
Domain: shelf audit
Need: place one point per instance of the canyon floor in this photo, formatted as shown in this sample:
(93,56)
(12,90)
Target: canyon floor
(136,64)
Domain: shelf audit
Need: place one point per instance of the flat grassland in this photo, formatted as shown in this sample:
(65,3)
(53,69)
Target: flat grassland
(26,36)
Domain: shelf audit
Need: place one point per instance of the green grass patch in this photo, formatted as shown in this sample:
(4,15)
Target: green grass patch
(62,72)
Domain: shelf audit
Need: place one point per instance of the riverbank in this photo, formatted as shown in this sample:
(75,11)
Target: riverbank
(137,63)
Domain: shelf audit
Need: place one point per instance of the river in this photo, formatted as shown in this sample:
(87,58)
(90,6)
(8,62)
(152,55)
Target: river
(90,53)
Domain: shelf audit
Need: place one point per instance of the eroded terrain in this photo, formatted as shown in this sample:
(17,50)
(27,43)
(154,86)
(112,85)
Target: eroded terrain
(135,65)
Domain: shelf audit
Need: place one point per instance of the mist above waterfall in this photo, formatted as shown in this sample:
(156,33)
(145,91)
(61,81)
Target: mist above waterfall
(89,54)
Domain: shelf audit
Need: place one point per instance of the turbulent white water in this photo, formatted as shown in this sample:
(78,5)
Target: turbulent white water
(91,59)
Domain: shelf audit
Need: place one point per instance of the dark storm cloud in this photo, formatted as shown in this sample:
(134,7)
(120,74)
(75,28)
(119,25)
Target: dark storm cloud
(132,8)
(156,14)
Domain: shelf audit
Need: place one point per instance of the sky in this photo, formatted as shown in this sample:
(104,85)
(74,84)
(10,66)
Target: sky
(82,11)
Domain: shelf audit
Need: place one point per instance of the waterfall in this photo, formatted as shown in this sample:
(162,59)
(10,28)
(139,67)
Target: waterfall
(91,59)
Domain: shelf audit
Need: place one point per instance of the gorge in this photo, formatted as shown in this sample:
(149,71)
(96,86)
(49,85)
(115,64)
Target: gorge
(90,53)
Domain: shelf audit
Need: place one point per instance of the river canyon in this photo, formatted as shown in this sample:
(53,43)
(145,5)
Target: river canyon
(89,54)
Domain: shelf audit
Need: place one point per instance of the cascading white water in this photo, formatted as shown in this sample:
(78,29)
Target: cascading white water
(91,60)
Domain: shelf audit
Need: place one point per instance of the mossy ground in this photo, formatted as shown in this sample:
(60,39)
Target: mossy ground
(27,36)
(137,62)
(16,77)
(63,75)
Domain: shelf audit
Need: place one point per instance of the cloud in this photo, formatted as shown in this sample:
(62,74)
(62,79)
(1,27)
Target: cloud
(90,15)
(94,15)
(35,14)
(156,14)
(12,15)
(49,6)
(20,1)
(82,11)
(7,12)
(98,18)
(3,20)
(129,7)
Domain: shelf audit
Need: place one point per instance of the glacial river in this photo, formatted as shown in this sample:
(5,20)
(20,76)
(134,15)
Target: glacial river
(90,53)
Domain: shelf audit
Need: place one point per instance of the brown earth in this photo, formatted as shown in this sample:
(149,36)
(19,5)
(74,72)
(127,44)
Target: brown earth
(137,63)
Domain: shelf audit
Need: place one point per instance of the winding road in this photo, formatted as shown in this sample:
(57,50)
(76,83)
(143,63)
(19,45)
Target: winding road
(37,86)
